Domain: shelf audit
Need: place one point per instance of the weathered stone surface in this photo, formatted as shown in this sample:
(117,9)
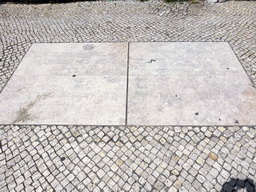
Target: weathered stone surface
(26,149)
(188,83)
(68,84)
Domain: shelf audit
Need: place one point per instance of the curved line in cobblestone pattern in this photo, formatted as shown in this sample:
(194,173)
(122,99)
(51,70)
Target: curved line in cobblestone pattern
(47,158)
(130,158)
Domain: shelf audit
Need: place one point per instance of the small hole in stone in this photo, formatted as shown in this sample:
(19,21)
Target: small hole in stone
(73,75)
(227,68)
(175,95)
(62,158)
(219,119)
(196,113)
(236,122)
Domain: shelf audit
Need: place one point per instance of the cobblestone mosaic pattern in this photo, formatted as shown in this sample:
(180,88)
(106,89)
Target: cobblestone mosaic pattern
(73,158)
(85,158)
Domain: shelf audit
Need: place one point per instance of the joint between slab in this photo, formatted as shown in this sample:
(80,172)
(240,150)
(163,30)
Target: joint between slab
(127,85)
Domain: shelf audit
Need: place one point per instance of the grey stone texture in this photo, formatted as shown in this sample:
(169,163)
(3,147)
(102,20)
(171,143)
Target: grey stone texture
(126,158)
(69,83)
(182,83)
(188,83)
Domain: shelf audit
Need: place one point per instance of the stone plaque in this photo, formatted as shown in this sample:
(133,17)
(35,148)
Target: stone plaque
(68,84)
(188,83)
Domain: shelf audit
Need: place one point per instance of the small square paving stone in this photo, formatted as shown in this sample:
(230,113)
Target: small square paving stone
(188,83)
(68,84)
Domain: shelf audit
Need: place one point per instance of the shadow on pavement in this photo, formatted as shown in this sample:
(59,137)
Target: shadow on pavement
(236,184)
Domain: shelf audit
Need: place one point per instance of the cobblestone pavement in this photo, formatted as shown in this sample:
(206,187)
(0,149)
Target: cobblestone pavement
(85,158)
(126,158)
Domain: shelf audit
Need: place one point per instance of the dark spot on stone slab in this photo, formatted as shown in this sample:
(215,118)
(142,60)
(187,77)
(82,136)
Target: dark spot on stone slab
(176,96)
(236,122)
(219,119)
(159,109)
(88,47)
(151,60)
(62,158)
(227,68)
(73,75)
(196,113)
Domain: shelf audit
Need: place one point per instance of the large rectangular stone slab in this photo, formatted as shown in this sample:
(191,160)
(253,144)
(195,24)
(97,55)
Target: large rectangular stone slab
(68,84)
(188,83)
